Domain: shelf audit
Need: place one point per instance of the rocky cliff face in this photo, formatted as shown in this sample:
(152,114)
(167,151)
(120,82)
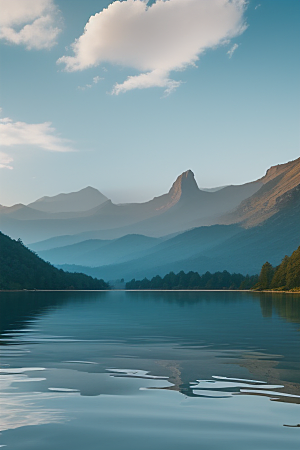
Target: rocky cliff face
(185,186)
(269,199)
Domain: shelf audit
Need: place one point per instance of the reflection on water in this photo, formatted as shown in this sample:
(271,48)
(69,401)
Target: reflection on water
(144,370)
(287,307)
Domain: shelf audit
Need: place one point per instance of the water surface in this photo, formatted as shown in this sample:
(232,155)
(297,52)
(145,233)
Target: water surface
(144,370)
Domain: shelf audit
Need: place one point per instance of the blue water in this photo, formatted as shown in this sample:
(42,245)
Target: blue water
(149,370)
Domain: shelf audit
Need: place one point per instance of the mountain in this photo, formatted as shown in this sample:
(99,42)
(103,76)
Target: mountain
(22,269)
(270,198)
(170,253)
(215,248)
(21,212)
(133,247)
(82,200)
(96,252)
(185,206)
(235,228)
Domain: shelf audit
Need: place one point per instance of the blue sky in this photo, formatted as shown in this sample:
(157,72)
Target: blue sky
(226,115)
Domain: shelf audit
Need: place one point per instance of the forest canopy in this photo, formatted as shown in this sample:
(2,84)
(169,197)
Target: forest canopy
(284,277)
(192,280)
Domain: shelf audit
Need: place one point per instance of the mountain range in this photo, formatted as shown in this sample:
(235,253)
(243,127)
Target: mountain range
(185,206)
(236,228)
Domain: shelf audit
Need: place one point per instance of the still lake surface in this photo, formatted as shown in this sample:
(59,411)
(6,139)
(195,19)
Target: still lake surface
(149,370)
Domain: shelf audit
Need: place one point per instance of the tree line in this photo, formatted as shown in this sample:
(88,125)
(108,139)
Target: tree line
(192,280)
(286,276)
(21,268)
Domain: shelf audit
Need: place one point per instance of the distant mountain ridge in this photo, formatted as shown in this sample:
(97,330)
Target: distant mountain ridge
(185,206)
(79,201)
(234,228)
(214,248)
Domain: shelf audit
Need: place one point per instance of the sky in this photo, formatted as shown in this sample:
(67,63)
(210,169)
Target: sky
(125,96)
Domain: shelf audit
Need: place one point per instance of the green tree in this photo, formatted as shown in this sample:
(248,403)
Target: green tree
(265,276)
(293,270)
(279,278)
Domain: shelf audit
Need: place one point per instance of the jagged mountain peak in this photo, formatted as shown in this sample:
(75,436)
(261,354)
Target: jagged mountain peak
(184,184)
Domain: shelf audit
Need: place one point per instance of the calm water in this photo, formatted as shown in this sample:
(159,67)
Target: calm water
(132,370)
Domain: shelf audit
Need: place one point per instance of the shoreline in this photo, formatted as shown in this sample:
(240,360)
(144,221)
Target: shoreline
(150,290)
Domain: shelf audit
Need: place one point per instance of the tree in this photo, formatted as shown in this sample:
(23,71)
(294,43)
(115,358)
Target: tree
(265,276)
(279,278)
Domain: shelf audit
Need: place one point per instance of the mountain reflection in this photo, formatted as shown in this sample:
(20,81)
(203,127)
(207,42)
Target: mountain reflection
(183,336)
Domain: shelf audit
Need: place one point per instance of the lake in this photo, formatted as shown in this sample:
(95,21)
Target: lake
(149,370)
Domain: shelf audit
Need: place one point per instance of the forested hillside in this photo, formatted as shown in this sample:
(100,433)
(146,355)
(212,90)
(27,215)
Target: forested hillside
(286,276)
(20,268)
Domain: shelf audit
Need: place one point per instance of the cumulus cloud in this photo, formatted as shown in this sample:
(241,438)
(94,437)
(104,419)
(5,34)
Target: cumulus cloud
(41,135)
(33,23)
(5,161)
(232,50)
(155,39)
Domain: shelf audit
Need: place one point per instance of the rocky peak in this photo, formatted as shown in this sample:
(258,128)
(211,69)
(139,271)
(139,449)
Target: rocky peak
(185,184)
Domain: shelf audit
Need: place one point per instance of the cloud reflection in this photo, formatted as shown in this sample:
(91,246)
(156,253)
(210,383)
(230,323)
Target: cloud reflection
(20,409)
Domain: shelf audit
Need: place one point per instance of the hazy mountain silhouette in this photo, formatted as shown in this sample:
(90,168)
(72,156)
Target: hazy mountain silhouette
(82,200)
(100,252)
(258,221)
(96,252)
(21,212)
(215,248)
(183,207)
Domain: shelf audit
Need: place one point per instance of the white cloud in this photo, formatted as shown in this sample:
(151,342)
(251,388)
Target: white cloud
(155,40)
(97,79)
(257,6)
(41,135)
(156,78)
(232,50)
(33,23)
(88,86)
(5,161)
(20,409)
